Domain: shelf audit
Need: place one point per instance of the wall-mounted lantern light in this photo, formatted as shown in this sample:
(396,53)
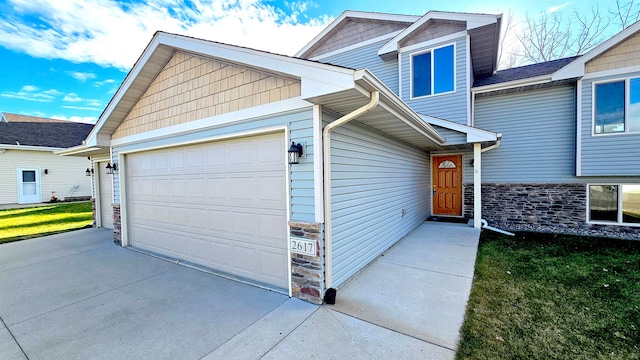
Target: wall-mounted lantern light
(89,172)
(295,151)
(46,171)
(111,168)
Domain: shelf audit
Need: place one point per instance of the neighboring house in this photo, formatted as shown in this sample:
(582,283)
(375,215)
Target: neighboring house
(399,118)
(30,172)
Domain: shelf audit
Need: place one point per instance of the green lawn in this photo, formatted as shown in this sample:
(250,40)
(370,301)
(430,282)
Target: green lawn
(19,224)
(542,296)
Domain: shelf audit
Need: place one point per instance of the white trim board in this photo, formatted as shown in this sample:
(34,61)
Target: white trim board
(215,121)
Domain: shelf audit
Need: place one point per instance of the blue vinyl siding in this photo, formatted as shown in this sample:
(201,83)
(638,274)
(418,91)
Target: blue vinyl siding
(367,57)
(611,154)
(538,142)
(449,106)
(300,129)
(373,177)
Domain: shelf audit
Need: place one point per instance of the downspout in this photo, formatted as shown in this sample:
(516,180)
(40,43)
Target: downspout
(484,223)
(326,149)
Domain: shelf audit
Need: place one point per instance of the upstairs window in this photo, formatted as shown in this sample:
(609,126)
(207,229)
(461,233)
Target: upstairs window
(433,72)
(617,106)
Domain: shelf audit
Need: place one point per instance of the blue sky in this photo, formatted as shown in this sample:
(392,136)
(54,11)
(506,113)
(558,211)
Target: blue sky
(66,58)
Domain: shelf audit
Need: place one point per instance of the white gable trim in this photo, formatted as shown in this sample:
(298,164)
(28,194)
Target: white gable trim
(472,20)
(316,78)
(356,15)
(576,68)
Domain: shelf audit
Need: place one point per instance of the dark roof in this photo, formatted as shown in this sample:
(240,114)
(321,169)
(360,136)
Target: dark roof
(28,131)
(524,72)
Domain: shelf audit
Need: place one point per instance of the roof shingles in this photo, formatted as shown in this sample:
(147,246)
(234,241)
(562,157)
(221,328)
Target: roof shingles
(33,131)
(524,72)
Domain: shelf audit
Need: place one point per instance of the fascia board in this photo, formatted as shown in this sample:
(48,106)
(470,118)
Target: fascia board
(146,54)
(29,148)
(576,68)
(473,134)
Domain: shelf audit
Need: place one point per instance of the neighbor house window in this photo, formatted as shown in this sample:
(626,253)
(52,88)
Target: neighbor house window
(433,72)
(614,203)
(617,106)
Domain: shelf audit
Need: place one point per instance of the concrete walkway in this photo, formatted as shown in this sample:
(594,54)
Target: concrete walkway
(76,295)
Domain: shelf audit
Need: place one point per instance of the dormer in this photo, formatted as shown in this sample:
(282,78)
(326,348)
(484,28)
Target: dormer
(429,61)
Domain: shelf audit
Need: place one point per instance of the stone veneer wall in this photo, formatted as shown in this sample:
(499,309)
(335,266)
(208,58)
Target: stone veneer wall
(555,208)
(307,272)
(117,225)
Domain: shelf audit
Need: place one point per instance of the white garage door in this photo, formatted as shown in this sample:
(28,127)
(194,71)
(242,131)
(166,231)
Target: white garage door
(219,204)
(106,195)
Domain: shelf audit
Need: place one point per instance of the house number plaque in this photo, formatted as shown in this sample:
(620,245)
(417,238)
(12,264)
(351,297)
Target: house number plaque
(303,246)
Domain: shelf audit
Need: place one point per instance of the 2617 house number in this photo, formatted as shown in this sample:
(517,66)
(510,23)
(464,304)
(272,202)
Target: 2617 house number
(303,246)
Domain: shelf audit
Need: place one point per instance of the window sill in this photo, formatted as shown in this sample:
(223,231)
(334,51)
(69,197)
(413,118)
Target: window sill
(613,223)
(431,96)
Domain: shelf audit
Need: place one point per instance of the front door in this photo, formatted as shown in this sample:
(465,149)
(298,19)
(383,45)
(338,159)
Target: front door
(447,185)
(29,186)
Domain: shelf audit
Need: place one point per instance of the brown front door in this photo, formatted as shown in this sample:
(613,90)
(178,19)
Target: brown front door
(447,185)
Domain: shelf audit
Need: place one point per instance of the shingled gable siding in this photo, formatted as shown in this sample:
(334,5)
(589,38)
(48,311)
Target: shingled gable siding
(610,154)
(367,57)
(354,31)
(622,55)
(433,29)
(374,177)
(191,87)
(453,106)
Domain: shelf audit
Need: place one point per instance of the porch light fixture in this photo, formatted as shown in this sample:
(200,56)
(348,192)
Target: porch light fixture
(295,151)
(111,168)
(89,172)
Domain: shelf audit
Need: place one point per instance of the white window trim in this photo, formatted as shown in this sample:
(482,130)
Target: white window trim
(620,214)
(627,97)
(431,50)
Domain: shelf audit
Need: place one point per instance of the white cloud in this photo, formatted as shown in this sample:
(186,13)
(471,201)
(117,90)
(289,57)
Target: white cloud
(556,8)
(72,97)
(81,76)
(81,108)
(111,33)
(94,102)
(80,119)
(32,93)
(103,82)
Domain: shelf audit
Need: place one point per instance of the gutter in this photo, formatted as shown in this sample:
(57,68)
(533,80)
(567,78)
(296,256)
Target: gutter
(512,84)
(326,149)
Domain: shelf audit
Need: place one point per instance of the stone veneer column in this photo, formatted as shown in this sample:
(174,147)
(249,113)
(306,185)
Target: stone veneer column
(117,225)
(307,272)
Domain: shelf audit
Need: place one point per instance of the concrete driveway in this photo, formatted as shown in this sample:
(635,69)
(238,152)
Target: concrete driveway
(78,296)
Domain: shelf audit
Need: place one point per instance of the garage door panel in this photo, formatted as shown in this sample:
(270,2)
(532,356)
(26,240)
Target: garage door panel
(271,264)
(219,204)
